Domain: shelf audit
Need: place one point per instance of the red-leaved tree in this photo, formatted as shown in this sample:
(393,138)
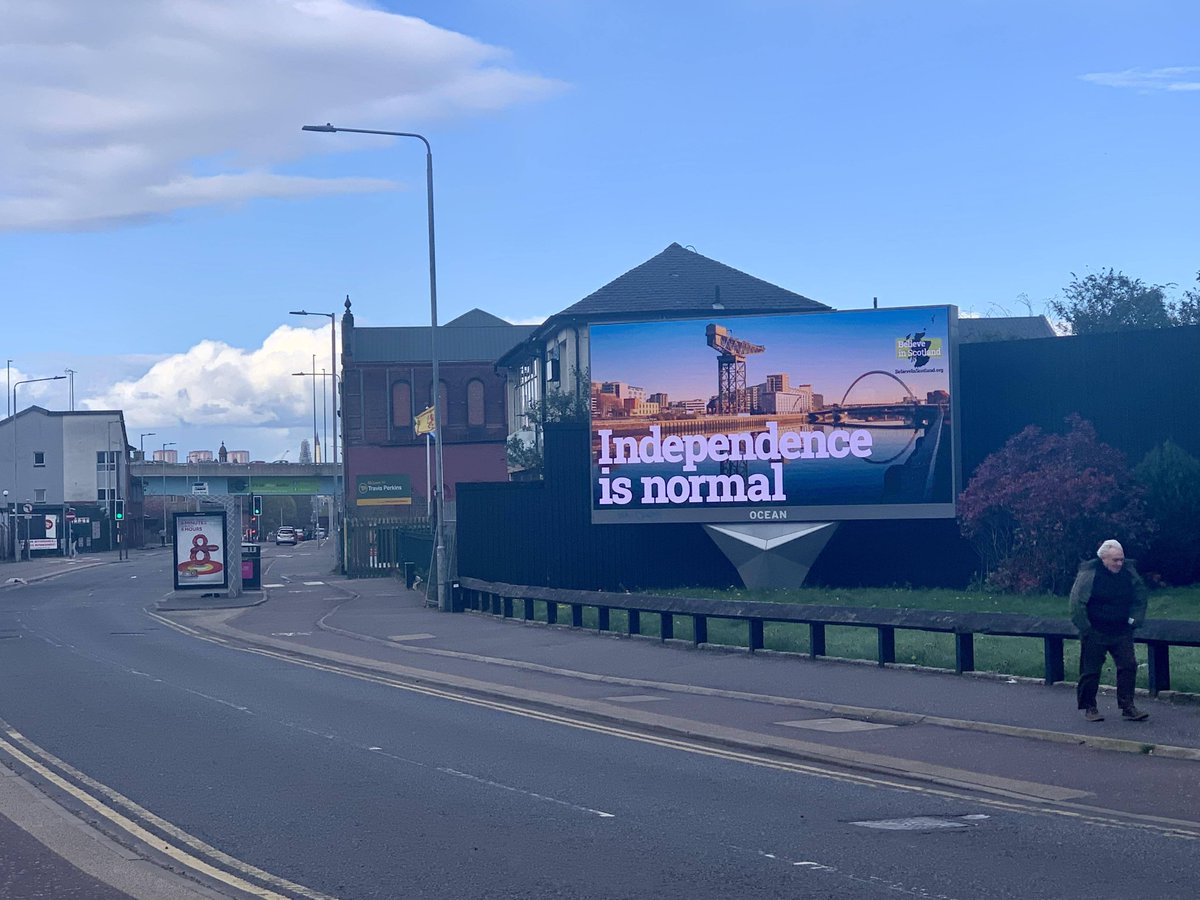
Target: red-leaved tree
(1043,502)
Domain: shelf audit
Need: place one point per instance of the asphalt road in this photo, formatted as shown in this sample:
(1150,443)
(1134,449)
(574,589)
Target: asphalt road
(313,782)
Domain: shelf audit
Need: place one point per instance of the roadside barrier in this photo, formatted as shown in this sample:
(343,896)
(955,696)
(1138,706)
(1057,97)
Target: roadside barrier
(1158,635)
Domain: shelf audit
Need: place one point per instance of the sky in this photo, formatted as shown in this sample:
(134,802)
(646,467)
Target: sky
(161,211)
(830,352)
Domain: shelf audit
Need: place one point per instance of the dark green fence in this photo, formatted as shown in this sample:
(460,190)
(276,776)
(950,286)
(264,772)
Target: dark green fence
(379,548)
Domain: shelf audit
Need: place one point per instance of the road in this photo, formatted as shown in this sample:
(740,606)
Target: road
(306,781)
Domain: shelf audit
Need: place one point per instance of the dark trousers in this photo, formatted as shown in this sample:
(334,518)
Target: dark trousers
(1093,647)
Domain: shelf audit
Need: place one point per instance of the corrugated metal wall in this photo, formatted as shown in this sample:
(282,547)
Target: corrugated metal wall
(1138,388)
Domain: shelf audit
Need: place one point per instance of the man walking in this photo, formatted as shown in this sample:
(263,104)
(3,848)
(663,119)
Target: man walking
(1108,601)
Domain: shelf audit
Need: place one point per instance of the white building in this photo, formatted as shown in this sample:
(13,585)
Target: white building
(65,468)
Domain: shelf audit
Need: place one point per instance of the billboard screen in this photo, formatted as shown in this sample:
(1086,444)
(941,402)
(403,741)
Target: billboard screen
(201,558)
(803,417)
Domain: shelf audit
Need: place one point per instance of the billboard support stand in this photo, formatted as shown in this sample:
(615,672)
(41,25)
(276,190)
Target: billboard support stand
(772,554)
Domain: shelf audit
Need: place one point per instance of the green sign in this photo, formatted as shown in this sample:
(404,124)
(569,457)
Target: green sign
(381,490)
(276,485)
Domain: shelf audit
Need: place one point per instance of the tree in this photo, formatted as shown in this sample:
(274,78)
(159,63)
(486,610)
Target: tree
(556,406)
(1043,502)
(1187,310)
(1170,477)
(1112,301)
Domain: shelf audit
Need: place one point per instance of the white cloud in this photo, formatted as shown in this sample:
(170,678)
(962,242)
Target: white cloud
(1172,78)
(214,385)
(129,110)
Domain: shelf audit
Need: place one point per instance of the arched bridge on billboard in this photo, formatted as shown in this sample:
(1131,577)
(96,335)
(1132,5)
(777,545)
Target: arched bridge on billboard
(213,479)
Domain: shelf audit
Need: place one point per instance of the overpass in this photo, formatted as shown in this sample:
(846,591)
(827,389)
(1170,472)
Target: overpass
(214,479)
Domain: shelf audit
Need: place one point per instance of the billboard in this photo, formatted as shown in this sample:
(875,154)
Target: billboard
(201,557)
(804,416)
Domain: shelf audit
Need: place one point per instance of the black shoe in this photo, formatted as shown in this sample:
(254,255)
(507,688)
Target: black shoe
(1133,714)
(1092,714)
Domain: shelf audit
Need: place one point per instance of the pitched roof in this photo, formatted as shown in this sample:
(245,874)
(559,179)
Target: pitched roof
(681,282)
(475,336)
(676,283)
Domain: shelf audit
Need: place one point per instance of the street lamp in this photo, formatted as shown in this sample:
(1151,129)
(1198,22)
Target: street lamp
(313,376)
(16,492)
(439,422)
(142,443)
(164,490)
(338,483)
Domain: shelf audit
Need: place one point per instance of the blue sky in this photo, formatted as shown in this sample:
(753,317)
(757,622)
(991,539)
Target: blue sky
(827,351)
(161,211)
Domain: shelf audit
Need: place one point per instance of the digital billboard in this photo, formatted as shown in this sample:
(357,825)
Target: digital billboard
(804,416)
(201,558)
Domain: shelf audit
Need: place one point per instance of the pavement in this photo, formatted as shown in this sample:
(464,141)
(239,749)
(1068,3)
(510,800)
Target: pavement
(1010,739)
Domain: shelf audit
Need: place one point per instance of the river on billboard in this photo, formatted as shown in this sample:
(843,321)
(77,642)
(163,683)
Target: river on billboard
(803,417)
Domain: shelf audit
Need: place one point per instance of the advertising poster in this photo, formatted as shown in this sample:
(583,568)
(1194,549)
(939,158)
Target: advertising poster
(801,417)
(49,539)
(201,560)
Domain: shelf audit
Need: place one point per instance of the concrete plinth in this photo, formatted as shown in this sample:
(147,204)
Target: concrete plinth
(772,554)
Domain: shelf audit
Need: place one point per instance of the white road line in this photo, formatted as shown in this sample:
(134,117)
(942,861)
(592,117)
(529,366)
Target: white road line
(517,790)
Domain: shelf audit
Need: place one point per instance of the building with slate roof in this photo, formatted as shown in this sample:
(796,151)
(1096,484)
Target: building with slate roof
(676,283)
(387,380)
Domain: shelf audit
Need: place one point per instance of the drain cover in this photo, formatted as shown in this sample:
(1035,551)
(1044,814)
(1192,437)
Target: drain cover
(921,823)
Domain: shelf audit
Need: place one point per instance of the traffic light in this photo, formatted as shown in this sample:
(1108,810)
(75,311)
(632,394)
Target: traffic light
(119,510)
(256,505)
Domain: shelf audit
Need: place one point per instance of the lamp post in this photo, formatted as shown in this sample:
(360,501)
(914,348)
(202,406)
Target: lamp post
(142,443)
(439,422)
(164,490)
(339,471)
(16,491)
(313,376)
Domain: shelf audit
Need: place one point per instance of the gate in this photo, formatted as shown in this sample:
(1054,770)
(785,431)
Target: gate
(379,548)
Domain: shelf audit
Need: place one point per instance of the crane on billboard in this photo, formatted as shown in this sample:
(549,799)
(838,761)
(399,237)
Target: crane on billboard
(732,397)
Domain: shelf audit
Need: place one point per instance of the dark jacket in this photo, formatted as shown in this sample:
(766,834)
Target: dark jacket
(1081,593)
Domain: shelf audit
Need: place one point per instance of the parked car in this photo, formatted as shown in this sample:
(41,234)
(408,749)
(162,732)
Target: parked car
(285,535)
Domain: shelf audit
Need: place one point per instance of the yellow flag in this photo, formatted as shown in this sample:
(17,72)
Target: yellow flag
(424,423)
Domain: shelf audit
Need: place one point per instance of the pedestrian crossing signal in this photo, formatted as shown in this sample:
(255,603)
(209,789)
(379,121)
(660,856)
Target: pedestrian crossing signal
(119,510)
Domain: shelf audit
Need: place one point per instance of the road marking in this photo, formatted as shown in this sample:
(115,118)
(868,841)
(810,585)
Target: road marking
(274,585)
(634,698)
(312,583)
(420,636)
(516,790)
(132,828)
(1088,815)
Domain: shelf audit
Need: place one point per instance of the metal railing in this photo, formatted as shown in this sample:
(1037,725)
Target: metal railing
(499,599)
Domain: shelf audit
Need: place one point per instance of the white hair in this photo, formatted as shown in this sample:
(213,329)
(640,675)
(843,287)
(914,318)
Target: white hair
(1110,546)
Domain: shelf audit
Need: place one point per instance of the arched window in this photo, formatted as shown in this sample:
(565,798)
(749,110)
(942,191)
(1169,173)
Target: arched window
(443,401)
(402,411)
(475,407)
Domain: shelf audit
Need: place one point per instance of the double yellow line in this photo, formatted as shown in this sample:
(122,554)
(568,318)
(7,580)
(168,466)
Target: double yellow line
(188,851)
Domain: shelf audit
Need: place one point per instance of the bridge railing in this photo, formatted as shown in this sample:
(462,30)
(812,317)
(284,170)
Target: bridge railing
(501,599)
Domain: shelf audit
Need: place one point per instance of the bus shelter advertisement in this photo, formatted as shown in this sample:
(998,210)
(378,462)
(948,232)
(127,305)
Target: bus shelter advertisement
(200,553)
(802,417)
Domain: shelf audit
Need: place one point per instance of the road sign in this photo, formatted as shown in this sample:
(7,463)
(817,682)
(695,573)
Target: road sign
(70,514)
(199,487)
(27,508)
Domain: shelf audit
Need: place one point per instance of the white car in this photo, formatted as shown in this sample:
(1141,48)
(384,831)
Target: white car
(285,535)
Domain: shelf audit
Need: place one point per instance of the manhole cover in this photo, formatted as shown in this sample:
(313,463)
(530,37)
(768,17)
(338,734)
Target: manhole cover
(922,823)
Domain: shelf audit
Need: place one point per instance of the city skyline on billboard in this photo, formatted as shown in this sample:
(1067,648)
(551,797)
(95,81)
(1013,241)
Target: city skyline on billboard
(804,416)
